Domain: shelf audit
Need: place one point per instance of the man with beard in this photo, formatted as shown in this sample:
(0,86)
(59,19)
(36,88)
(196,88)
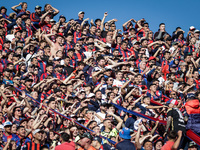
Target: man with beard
(59,72)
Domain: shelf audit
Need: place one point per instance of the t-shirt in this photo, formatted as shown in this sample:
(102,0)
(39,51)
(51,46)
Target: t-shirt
(112,133)
(168,145)
(177,119)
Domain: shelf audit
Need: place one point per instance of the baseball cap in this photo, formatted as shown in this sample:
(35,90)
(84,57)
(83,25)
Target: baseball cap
(86,135)
(192,143)
(91,95)
(57,58)
(62,16)
(6,41)
(36,131)
(173,66)
(7,123)
(52,20)
(125,133)
(175,43)
(136,42)
(182,64)
(97,138)
(81,12)
(1,127)
(38,7)
(152,58)
(103,103)
(57,90)
(196,31)
(192,28)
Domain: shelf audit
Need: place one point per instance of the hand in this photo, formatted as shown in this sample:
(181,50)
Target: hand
(105,14)
(86,19)
(180,133)
(92,22)
(20,4)
(115,20)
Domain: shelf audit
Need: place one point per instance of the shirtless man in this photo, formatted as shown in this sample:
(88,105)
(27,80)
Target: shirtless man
(58,45)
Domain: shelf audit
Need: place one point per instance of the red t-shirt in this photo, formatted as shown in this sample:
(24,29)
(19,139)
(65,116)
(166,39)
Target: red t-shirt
(168,145)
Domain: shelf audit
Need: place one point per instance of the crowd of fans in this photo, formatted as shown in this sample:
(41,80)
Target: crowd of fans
(100,78)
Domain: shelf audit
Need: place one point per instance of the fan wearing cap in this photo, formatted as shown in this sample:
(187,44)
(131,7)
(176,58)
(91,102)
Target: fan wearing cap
(36,143)
(7,131)
(174,117)
(35,17)
(192,146)
(125,142)
(28,84)
(80,17)
(85,142)
(65,142)
(7,76)
(97,143)
(59,72)
(3,11)
(6,46)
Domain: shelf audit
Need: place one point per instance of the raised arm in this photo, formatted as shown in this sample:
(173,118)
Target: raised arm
(124,25)
(102,22)
(44,15)
(119,120)
(83,23)
(48,40)
(56,11)
(14,8)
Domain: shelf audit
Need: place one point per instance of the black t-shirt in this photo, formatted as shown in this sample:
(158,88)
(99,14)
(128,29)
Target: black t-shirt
(178,122)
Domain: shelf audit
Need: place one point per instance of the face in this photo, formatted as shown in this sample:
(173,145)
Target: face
(147,100)
(162,27)
(70,88)
(97,130)
(38,136)
(8,129)
(148,146)
(52,105)
(158,145)
(21,132)
(18,112)
(119,75)
(74,131)
(101,63)
(124,46)
(112,109)
(153,88)
(108,124)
